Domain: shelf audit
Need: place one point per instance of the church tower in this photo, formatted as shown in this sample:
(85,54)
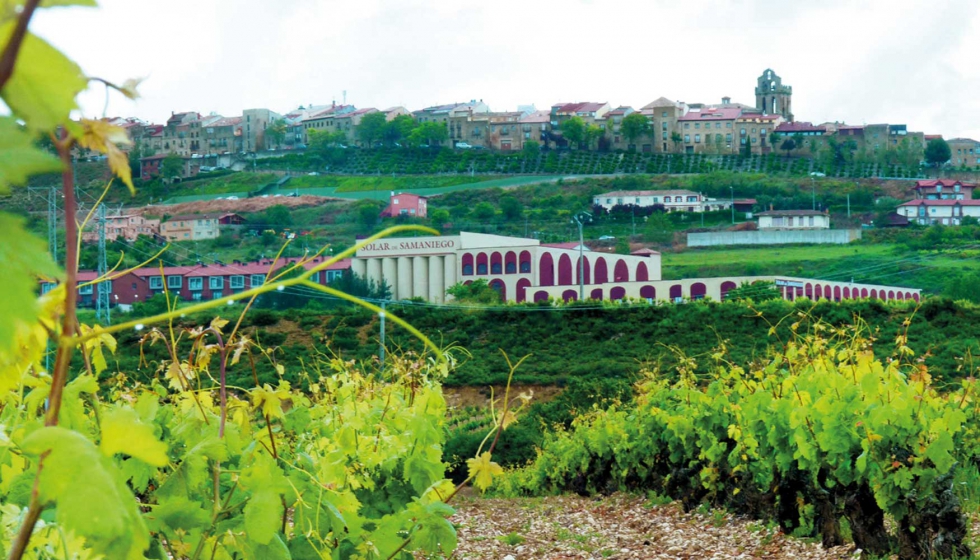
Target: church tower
(772,97)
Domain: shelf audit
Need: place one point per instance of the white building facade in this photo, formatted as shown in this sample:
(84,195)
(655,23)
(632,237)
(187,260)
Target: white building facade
(793,219)
(945,212)
(672,200)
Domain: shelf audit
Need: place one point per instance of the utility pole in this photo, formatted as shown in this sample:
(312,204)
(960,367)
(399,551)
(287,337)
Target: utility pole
(53,222)
(813,193)
(848,205)
(102,301)
(580,219)
(733,204)
(525,225)
(381,349)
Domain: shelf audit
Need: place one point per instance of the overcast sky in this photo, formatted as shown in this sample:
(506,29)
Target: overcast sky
(875,61)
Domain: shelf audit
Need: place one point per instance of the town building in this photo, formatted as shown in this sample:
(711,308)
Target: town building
(125,226)
(663,114)
(943,189)
(150,167)
(324,121)
(222,136)
(964,152)
(254,124)
(948,212)
(614,126)
(793,219)
(406,204)
(177,134)
(707,130)
(678,200)
(191,227)
(772,97)
(754,131)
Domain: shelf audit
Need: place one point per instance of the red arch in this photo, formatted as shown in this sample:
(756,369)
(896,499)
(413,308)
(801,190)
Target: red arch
(818,291)
(836,293)
(915,297)
(601,273)
(676,291)
(569,295)
(586,271)
(827,292)
(496,263)
(874,293)
(540,295)
(481,264)
(564,270)
(498,284)
(596,294)
(726,286)
(547,266)
(698,290)
(847,293)
(522,285)
(899,295)
(891,294)
(808,290)
(622,272)
(510,263)
(617,292)
(467,261)
(864,292)
(642,275)
(648,292)
(525,262)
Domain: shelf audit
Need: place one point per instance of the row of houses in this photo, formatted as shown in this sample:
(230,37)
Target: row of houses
(185,227)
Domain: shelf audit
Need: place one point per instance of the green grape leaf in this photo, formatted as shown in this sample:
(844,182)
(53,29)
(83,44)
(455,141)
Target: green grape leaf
(91,500)
(44,84)
(122,432)
(275,549)
(435,532)
(939,452)
(482,469)
(263,513)
(22,258)
(19,158)
(180,513)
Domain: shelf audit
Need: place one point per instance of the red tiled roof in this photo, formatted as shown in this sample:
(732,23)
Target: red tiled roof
(226,121)
(932,202)
(580,107)
(944,182)
(799,126)
(670,192)
(726,113)
(537,117)
(645,252)
(262,267)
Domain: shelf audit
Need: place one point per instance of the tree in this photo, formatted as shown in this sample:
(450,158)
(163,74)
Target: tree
(275,133)
(172,166)
(428,134)
(367,212)
(798,141)
(277,217)
(531,149)
(371,130)
(937,152)
(676,139)
(476,292)
(573,131)
(756,291)
(439,218)
(484,211)
(593,134)
(787,146)
(511,208)
(399,129)
(634,125)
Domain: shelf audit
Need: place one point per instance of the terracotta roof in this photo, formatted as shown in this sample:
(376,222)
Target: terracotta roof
(712,114)
(580,107)
(569,245)
(537,117)
(671,192)
(962,140)
(261,267)
(226,121)
(792,213)
(645,252)
(799,126)
(746,201)
(188,217)
(661,102)
(359,112)
(944,182)
(619,111)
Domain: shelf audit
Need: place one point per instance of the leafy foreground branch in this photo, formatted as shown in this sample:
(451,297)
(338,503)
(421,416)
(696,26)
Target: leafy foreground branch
(818,432)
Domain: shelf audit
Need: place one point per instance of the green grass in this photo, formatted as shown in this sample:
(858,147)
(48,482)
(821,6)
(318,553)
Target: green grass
(771,255)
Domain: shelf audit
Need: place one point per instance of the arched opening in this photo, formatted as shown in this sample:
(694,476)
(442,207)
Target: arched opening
(601,274)
(481,263)
(874,293)
(467,264)
(676,292)
(569,295)
(818,291)
(498,284)
(622,272)
(915,297)
(864,292)
(726,287)
(642,275)
(596,294)
(616,293)
(807,290)
(467,283)
(496,263)
(847,293)
(522,285)
(891,294)
(828,292)
(540,295)
(510,262)
(585,270)
(698,290)
(899,296)
(564,271)
(525,261)
(547,271)
(648,292)
(836,293)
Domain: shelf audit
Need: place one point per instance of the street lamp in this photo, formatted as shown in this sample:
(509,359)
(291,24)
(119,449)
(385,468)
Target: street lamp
(580,219)
(813,193)
(733,204)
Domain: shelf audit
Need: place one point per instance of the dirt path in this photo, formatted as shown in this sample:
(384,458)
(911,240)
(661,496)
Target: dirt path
(244,205)
(616,527)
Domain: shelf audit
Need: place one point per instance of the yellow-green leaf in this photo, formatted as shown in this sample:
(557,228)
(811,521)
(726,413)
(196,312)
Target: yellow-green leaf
(19,157)
(123,432)
(482,469)
(105,138)
(22,258)
(44,84)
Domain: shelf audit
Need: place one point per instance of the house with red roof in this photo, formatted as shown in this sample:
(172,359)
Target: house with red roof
(406,204)
(948,212)
(191,227)
(701,126)
(943,189)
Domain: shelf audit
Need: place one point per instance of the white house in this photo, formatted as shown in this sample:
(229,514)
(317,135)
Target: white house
(793,219)
(673,200)
(946,212)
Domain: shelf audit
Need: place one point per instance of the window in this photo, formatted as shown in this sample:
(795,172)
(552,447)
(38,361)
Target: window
(728,137)
(256,280)
(608,201)
(717,125)
(637,200)
(728,125)
(467,270)
(665,135)
(511,268)
(666,199)
(156,283)
(811,221)
(85,290)
(216,282)
(697,138)
(481,269)
(687,125)
(495,268)
(175,282)
(525,266)
(216,295)
(743,141)
(697,125)
(692,199)
(663,125)
(665,114)
(754,139)
(619,201)
(236,282)
(687,138)
(742,132)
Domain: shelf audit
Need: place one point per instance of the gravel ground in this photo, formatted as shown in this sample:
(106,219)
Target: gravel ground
(616,527)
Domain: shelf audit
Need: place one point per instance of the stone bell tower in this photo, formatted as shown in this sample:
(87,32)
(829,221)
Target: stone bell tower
(772,97)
